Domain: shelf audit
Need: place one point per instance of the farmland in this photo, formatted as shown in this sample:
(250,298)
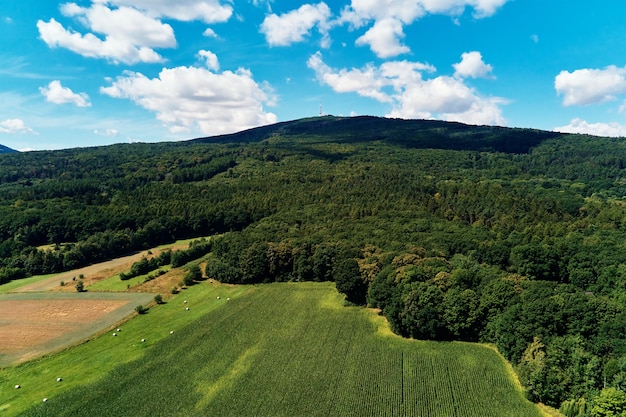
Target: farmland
(279,350)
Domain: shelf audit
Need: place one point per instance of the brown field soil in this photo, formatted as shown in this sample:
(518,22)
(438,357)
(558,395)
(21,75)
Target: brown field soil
(94,273)
(33,325)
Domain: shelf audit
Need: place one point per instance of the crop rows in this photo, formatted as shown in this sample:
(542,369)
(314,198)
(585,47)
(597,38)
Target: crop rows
(281,350)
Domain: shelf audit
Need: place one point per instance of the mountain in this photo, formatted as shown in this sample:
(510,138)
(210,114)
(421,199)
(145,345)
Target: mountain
(6,149)
(417,134)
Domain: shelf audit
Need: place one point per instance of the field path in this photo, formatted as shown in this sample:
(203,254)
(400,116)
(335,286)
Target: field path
(94,272)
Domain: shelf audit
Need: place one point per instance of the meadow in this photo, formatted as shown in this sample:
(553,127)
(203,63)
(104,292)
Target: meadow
(283,349)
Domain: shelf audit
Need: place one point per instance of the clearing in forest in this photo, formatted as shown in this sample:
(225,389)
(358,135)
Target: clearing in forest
(288,349)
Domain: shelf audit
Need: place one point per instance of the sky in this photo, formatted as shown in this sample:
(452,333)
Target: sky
(97,72)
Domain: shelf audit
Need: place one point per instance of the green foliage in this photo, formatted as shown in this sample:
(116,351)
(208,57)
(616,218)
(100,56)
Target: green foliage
(610,403)
(140,309)
(348,281)
(80,286)
(483,233)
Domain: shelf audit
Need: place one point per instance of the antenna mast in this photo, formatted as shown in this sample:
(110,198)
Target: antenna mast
(321,113)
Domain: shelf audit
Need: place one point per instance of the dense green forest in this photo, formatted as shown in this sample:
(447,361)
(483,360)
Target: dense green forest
(514,237)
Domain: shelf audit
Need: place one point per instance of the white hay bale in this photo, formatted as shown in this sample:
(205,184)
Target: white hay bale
(185,301)
(228,299)
(59,379)
(187,308)
(45,399)
(114,334)
(218,297)
(119,330)
(17,387)
(143,340)
(171,331)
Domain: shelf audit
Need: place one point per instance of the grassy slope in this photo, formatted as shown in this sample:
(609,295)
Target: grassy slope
(280,350)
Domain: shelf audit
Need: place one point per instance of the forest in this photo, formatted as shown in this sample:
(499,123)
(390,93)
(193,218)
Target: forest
(513,237)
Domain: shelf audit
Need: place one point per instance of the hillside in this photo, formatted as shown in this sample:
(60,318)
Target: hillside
(475,233)
(6,149)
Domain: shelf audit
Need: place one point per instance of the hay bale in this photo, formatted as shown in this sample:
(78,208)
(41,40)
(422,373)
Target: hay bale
(45,399)
(18,386)
(143,340)
(59,379)
(218,297)
(187,308)
(171,331)
(114,334)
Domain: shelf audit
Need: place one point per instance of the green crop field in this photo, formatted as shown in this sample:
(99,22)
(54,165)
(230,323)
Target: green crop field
(272,350)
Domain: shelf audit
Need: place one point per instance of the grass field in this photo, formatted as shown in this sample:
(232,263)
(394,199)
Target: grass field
(272,350)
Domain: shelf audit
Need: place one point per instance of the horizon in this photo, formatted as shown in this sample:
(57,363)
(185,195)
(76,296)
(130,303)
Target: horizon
(81,74)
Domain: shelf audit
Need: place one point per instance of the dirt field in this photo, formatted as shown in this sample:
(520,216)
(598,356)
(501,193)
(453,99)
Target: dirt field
(32,325)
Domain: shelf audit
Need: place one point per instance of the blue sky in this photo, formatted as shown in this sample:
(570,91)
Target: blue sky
(97,72)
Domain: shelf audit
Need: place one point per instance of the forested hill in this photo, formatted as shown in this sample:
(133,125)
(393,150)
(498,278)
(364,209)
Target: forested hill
(514,237)
(409,133)
(6,149)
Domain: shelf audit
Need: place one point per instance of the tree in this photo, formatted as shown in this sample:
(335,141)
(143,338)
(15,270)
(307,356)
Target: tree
(349,282)
(80,286)
(610,403)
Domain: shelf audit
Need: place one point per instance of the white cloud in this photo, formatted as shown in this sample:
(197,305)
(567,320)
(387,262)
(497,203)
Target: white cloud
(112,48)
(15,126)
(384,38)
(472,66)
(292,27)
(597,129)
(210,59)
(210,33)
(56,93)
(208,11)
(107,132)
(589,86)
(390,16)
(187,99)
(401,84)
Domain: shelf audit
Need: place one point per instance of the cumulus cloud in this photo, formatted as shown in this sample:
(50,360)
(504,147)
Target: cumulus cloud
(208,11)
(402,84)
(15,126)
(598,129)
(390,16)
(129,35)
(210,59)
(209,33)
(56,93)
(186,99)
(590,86)
(472,66)
(292,27)
(384,38)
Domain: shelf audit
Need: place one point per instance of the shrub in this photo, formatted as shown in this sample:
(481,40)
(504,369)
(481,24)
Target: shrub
(141,309)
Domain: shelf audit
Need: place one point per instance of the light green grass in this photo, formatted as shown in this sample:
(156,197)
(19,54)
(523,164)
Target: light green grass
(115,284)
(13,285)
(278,350)
(92,361)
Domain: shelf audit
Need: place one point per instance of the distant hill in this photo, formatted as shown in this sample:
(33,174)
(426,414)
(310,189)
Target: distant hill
(6,149)
(417,134)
